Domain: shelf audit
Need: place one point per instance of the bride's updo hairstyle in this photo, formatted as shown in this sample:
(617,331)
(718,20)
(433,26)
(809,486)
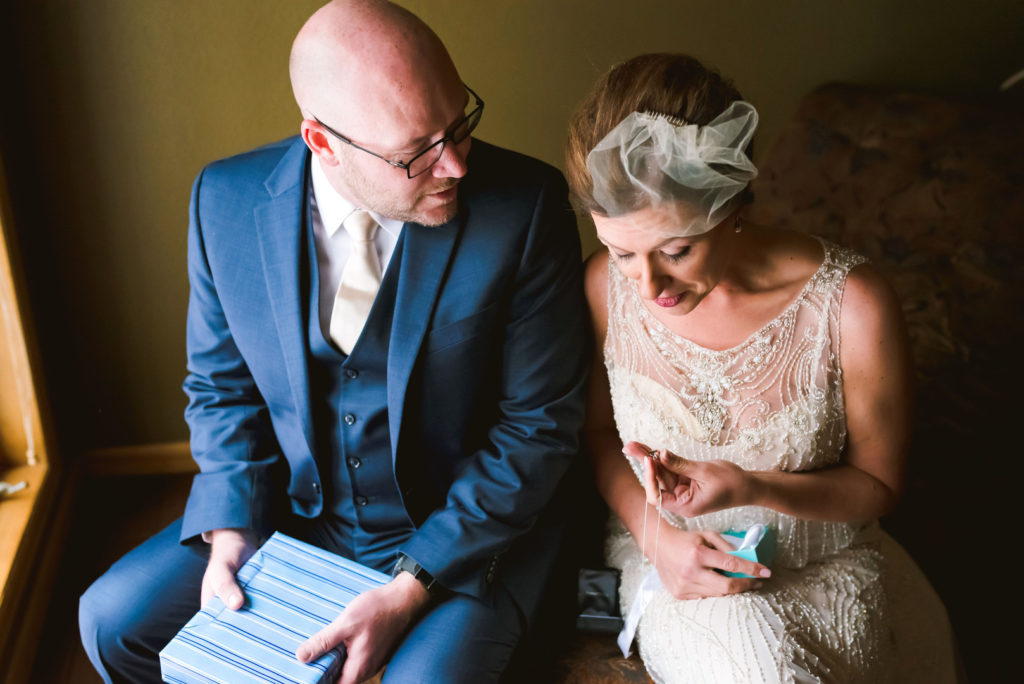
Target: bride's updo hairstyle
(662,130)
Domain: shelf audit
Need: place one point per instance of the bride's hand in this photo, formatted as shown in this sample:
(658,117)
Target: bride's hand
(691,488)
(686,563)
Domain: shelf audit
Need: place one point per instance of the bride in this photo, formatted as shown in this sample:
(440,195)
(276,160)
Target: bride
(751,377)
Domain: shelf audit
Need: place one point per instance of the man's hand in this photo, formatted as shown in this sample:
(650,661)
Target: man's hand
(370,627)
(229,549)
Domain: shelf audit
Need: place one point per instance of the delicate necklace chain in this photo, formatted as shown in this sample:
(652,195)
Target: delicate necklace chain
(657,530)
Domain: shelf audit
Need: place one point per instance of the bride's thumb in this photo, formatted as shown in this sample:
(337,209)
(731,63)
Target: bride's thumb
(677,464)
(664,457)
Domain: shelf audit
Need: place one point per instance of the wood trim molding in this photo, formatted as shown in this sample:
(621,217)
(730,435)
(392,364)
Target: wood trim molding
(141,459)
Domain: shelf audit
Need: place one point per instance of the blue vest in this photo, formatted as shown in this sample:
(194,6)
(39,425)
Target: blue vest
(364,516)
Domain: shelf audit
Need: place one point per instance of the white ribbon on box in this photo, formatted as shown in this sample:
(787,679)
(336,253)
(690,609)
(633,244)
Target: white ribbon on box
(651,584)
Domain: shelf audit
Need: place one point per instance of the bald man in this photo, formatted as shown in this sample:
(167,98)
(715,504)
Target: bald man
(386,355)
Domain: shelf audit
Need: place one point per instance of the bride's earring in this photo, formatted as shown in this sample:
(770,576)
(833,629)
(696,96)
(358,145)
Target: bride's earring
(737,225)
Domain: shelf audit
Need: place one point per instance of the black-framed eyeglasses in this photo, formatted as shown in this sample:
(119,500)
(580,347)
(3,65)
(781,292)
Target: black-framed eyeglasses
(427,157)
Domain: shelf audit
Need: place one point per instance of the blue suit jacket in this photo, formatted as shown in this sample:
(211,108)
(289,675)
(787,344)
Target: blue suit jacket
(486,363)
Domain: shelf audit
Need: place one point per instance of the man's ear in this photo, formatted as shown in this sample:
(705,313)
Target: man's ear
(319,142)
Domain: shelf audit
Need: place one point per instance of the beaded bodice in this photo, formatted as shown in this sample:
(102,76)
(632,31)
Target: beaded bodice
(772,403)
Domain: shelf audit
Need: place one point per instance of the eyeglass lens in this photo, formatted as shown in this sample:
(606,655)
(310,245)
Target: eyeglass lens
(428,157)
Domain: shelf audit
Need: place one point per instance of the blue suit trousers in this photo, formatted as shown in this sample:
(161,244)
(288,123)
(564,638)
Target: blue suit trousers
(140,603)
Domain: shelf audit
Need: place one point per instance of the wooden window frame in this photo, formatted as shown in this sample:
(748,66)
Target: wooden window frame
(32,524)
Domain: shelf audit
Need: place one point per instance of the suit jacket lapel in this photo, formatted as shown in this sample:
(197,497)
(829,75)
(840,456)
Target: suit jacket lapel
(279,225)
(425,256)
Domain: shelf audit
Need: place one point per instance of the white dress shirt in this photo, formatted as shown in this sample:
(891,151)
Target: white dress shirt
(333,244)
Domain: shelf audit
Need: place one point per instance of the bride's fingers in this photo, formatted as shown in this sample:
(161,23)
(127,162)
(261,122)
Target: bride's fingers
(651,485)
(637,451)
(714,559)
(667,481)
(675,464)
(719,585)
(716,541)
(709,582)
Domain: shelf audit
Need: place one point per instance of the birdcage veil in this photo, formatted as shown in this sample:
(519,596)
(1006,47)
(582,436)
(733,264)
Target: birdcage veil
(656,161)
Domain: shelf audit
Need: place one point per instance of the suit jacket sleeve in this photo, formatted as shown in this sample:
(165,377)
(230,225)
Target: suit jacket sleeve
(505,486)
(231,437)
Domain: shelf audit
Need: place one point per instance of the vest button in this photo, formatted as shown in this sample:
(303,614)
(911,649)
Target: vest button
(350,419)
(361,501)
(316,487)
(351,373)
(354,462)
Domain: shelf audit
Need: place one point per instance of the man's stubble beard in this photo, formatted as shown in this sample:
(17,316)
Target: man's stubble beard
(392,208)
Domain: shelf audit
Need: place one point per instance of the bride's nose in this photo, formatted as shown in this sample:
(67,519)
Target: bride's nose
(649,283)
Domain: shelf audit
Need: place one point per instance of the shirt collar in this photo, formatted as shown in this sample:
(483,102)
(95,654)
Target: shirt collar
(334,208)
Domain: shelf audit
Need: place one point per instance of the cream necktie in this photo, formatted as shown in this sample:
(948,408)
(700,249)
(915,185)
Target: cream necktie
(360,281)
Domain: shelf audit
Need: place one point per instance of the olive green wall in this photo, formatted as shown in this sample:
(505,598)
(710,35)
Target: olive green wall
(111,107)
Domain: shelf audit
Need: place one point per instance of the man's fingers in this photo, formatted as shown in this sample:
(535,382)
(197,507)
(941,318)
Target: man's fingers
(322,642)
(205,593)
(221,581)
(357,667)
(229,549)
(315,646)
(312,648)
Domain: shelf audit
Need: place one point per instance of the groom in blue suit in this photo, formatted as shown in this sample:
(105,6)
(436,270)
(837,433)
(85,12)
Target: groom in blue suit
(386,352)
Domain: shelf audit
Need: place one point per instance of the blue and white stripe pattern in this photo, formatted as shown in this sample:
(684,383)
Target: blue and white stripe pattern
(292,590)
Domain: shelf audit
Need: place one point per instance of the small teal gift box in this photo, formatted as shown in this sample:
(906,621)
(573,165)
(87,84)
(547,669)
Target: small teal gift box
(756,544)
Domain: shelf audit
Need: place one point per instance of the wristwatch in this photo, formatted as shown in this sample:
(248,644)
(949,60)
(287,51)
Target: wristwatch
(409,565)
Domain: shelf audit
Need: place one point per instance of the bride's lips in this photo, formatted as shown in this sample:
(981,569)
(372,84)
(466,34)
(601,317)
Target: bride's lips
(669,302)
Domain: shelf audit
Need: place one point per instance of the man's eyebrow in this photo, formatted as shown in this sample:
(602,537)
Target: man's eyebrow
(417,144)
(414,145)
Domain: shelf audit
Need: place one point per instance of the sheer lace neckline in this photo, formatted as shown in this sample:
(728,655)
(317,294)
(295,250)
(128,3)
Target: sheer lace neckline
(773,403)
(757,334)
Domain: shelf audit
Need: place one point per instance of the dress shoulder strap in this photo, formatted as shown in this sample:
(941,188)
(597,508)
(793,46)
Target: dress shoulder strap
(838,262)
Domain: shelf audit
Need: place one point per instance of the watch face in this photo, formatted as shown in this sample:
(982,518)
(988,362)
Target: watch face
(406,564)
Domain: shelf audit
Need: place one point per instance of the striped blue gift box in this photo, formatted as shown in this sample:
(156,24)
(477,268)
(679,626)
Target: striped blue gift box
(292,590)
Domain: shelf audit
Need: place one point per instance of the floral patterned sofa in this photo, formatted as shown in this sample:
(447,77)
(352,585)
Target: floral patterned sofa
(931,189)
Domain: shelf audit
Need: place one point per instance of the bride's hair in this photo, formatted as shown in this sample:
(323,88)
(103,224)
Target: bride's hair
(674,85)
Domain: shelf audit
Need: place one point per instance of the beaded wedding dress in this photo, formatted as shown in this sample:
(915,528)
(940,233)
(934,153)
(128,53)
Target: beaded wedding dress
(773,403)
